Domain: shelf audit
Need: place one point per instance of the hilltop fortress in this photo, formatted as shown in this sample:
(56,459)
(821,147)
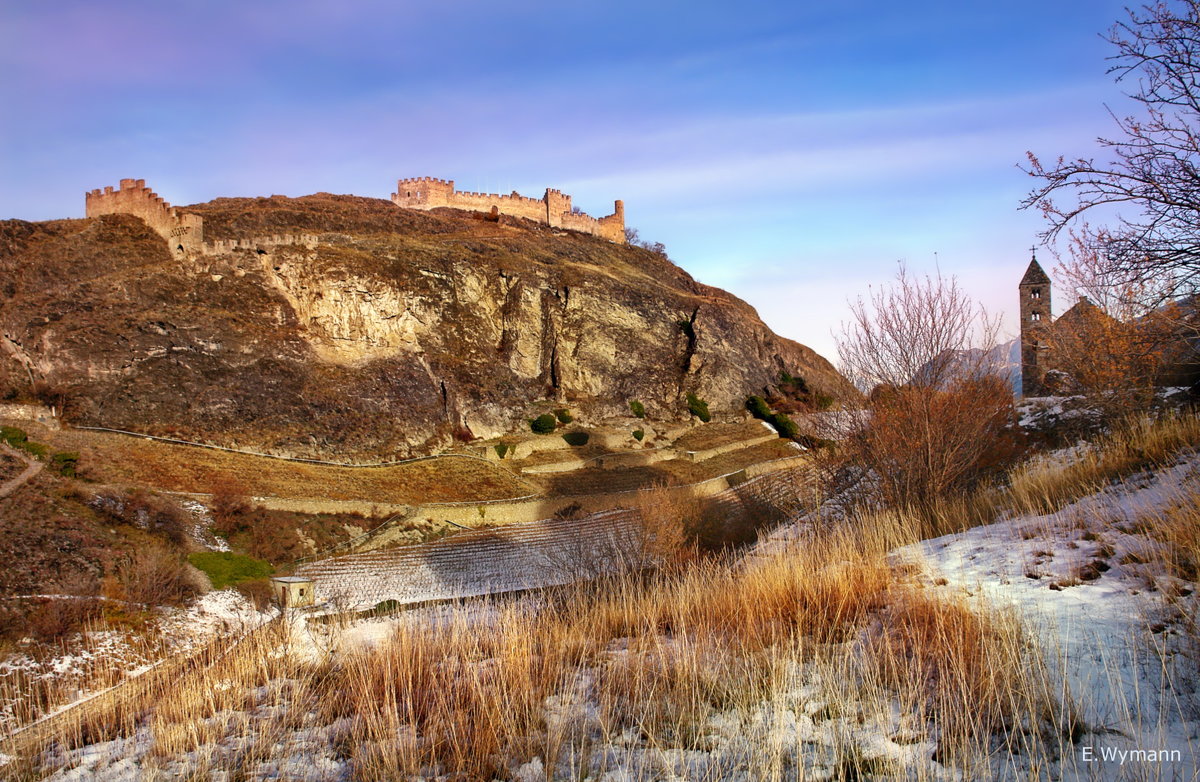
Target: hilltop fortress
(553,209)
(184,232)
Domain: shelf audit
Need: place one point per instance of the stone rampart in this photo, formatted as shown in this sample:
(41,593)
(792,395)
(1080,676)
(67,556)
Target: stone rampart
(182,232)
(553,209)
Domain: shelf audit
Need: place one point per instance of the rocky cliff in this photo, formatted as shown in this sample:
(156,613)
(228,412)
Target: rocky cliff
(393,333)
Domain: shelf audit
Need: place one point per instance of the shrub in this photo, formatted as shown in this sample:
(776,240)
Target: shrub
(17,438)
(258,591)
(34,449)
(569,512)
(698,407)
(230,505)
(65,463)
(156,575)
(224,568)
(577,438)
(141,509)
(638,434)
(638,409)
(564,416)
(784,425)
(13,436)
(501,449)
(758,407)
(543,424)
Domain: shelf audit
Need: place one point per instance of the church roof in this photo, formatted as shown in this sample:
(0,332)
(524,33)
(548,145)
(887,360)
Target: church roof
(1034,275)
(1081,312)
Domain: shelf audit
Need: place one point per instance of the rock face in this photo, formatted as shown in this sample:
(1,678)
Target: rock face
(394,333)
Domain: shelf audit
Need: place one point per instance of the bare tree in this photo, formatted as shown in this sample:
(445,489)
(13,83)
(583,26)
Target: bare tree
(938,411)
(916,332)
(1151,169)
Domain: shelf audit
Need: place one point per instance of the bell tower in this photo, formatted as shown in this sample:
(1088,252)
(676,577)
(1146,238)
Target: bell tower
(1035,323)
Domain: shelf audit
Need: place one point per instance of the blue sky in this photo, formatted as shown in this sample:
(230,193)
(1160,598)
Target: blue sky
(791,152)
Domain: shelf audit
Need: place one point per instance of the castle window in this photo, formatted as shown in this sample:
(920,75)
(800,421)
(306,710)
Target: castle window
(1036,293)
(1035,317)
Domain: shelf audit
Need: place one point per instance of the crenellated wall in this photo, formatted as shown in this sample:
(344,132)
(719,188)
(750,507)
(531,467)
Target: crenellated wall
(259,243)
(182,232)
(554,208)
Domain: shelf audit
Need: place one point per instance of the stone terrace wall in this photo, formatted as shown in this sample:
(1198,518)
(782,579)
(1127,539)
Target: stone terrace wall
(182,232)
(481,562)
(553,209)
(528,555)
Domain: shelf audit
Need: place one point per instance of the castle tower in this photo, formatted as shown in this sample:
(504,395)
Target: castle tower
(1035,321)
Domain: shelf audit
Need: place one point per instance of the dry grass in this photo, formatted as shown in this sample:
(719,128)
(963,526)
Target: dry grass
(112,458)
(637,662)
(1042,486)
(1135,445)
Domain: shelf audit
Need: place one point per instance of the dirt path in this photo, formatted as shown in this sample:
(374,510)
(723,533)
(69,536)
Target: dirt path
(33,468)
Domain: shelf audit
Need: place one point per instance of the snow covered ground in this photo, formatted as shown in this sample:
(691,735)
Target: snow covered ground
(1084,581)
(1110,623)
(93,661)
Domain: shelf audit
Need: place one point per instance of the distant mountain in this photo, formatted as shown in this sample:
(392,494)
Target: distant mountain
(1003,359)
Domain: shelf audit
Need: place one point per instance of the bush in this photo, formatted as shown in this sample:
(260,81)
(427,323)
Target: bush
(638,434)
(65,463)
(230,506)
(637,408)
(564,416)
(258,591)
(501,449)
(13,436)
(224,568)
(156,575)
(698,407)
(138,508)
(17,438)
(758,407)
(543,424)
(577,438)
(784,425)
(34,449)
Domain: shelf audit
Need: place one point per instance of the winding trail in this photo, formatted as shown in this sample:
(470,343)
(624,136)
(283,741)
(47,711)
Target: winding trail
(33,467)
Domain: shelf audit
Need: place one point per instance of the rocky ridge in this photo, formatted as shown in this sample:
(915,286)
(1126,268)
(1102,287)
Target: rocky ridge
(393,334)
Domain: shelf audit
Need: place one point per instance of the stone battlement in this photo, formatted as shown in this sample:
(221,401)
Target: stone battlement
(554,208)
(258,243)
(182,232)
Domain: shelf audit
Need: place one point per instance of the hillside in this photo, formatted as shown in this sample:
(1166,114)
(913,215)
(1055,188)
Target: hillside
(391,334)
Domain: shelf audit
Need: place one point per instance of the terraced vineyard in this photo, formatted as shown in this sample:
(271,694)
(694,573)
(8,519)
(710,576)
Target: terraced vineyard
(121,459)
(526,556)
(481,562)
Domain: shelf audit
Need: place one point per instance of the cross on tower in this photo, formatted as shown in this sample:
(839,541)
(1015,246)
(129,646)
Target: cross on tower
(1033,252)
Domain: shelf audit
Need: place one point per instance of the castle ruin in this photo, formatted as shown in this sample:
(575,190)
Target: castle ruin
(183,232)
(553,209)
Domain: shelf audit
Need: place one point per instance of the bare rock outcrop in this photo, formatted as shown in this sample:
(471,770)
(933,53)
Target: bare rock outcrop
(393,333)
